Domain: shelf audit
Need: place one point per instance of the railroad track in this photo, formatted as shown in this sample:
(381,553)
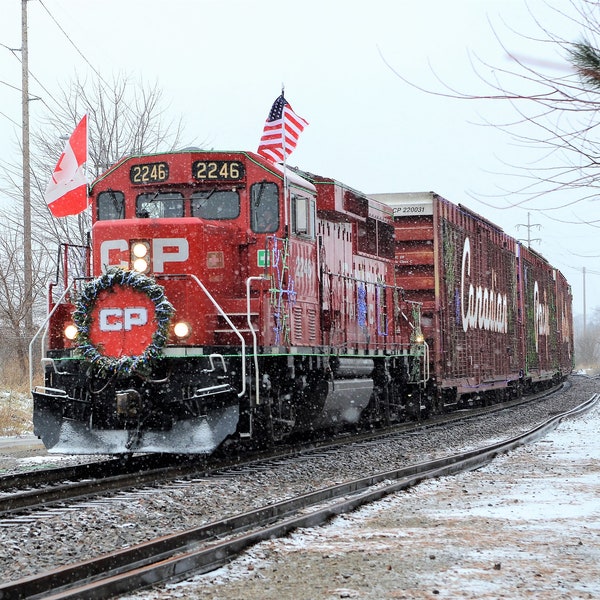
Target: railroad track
(95,470)
(202,549)
(42,489)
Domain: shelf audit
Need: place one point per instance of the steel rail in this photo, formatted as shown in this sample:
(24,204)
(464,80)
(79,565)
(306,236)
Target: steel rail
(176,557)
(93,469)
(114,475)
(92,482)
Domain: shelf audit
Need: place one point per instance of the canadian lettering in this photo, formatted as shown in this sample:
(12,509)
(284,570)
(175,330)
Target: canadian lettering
(481,307)
(540,312)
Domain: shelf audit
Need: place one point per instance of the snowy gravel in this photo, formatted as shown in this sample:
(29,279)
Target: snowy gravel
(86,529)
(525,526)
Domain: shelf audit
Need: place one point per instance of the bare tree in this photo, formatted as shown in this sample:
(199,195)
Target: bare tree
(555,103)
(587,343)
(124,117)
(13,308)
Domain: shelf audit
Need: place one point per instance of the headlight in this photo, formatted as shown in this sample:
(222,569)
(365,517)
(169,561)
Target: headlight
(140,255)
(182,330)
(140,265)
(70,332)
(140,249)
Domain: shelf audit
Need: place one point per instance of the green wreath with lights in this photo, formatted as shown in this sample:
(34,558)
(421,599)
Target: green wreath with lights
(163,312)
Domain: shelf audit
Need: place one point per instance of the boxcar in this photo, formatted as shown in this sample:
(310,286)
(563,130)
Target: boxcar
(496,315)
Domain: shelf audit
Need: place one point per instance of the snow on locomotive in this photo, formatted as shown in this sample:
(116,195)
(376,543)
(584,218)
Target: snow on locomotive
(226,298)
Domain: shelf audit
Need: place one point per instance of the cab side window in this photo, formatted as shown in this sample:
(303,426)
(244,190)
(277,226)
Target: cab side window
(264,207)
(303,216)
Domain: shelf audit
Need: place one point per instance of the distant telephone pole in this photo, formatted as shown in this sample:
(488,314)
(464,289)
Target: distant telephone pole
(27,262)
(584,306)
(529,226)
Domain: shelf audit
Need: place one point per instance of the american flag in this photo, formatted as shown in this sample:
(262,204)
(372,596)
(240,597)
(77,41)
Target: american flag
(282,128)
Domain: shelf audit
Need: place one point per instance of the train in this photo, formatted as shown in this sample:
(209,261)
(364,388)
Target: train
(226,298)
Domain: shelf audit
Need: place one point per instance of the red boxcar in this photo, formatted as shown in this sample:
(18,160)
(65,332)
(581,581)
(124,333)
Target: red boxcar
(481,292)
(546,305)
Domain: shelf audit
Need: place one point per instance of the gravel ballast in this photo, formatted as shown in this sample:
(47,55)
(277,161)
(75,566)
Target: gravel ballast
(86,529)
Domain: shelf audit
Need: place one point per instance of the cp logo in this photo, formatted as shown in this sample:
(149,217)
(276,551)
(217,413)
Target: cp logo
(122,319)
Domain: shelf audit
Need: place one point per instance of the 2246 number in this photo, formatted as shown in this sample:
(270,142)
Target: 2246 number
(149,173)
(218,170)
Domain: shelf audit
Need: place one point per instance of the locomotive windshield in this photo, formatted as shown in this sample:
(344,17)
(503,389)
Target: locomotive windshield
(159,205)
(111,205)
(216,204)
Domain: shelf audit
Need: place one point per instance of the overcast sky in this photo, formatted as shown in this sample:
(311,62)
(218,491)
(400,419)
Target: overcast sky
(221,63)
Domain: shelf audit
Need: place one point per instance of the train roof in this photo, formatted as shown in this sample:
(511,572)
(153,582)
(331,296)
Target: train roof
(426,200)
(337,197)
(322,180)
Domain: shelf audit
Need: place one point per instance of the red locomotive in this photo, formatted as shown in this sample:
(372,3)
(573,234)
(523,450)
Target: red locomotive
(227,297)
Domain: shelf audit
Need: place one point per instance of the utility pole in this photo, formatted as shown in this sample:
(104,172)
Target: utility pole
(529,226)
(27,266)
(584,306)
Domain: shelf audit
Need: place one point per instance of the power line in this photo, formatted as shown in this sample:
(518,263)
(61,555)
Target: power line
(10,85)
(97,73)
(10,119)
(73,43)
(14,52)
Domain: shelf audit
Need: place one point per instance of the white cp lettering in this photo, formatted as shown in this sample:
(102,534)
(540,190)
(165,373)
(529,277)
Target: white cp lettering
(168,250)
(119,319)
(115,253)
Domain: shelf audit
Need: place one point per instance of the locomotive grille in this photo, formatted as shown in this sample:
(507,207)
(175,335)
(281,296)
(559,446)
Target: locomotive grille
(298,322)
(312,324)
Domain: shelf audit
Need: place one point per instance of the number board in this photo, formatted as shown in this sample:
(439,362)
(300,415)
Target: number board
(149,173)
(415,208)
(218,170)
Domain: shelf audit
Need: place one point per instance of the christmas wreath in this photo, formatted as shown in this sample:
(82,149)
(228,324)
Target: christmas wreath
(82,318)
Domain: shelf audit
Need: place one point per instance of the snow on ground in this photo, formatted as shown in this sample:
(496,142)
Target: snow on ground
(525,526)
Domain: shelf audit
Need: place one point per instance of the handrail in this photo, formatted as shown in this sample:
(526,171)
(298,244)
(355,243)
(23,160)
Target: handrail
(233,328)
(253,332)
(44,326)
(425,363)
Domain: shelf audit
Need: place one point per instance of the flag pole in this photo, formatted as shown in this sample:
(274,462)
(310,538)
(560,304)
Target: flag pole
(86,167)
(285,177)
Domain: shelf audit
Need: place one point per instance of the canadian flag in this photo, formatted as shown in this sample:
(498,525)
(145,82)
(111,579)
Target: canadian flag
(66,193)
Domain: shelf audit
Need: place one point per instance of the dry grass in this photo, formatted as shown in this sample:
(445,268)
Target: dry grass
(15,398)
(14,376)
(15,413)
